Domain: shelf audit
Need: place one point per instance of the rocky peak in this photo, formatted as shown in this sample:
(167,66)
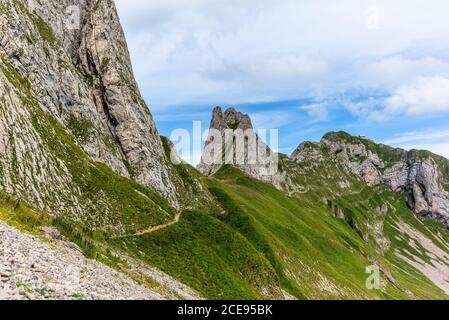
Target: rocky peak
(308,151)
(237,120)
(81,78)
(104,54)
(230,130)
(421,174)
(230,119)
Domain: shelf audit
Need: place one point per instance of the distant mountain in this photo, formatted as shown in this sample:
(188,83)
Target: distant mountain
(423,175)
(233,140)
(91,207)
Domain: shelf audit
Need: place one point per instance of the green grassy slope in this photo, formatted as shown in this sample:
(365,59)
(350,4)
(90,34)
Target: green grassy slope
(243,239)
(264,239)
(108,203)
(240,238)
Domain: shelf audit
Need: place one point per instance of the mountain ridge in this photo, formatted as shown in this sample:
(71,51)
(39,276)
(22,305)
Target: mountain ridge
(421,173)
(82,162)
(74,85)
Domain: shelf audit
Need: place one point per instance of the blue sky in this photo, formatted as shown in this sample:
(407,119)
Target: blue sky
(305,67)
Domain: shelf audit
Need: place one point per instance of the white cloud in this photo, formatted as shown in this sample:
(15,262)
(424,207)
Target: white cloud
(279,69)
(271,119)
(422,96)
(397,70)
(436,141)
(372,108)
(416,136)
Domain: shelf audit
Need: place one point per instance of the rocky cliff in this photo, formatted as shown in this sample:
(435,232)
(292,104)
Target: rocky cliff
(67,90)
(424,176)
(78,142)
(233,141)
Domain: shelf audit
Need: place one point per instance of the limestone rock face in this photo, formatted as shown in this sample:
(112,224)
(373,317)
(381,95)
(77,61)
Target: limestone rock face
(237,120)
(70,59)
(308,151)
(358,159)
(104,54)
(33,269)
(233,141)
(422,176)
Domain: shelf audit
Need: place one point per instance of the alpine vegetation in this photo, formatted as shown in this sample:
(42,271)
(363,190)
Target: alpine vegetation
(96,204)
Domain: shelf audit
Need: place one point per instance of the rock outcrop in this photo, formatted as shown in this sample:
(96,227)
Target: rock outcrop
(233,141)
(422,174)
(31,269)
(66,63)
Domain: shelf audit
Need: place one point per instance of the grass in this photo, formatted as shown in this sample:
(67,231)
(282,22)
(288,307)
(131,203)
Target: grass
(82,128)
(108,202)
(208,255)
(288,230)
(295,243)
(190,190)
(364,212)
(20,215)
(260,240)
(45,31)
(31,221)
(14,77)
(42,27)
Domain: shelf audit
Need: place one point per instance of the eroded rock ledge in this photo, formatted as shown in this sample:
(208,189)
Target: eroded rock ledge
(422,174)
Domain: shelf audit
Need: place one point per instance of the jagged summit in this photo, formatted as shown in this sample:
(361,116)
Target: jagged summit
(81,162)
(230,119)
(423,175)
(233,140)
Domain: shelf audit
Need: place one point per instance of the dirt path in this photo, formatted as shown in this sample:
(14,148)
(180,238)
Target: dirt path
(160,227)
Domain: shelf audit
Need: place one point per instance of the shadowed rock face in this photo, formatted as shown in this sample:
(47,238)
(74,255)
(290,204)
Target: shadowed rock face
(104,54)
(422,177)
(237,120)
(81,77)
(222,147)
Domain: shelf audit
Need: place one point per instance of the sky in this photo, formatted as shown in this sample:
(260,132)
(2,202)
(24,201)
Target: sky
(304,67)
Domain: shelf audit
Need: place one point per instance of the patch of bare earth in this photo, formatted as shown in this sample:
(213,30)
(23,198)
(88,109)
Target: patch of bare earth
(436,268)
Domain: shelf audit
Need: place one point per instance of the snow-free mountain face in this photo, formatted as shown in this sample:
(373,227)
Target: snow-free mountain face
(85,176)
(80,79)
(423,175)
(233,140)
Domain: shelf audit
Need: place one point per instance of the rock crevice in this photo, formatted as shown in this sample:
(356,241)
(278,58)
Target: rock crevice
(83,78)
(420,175)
